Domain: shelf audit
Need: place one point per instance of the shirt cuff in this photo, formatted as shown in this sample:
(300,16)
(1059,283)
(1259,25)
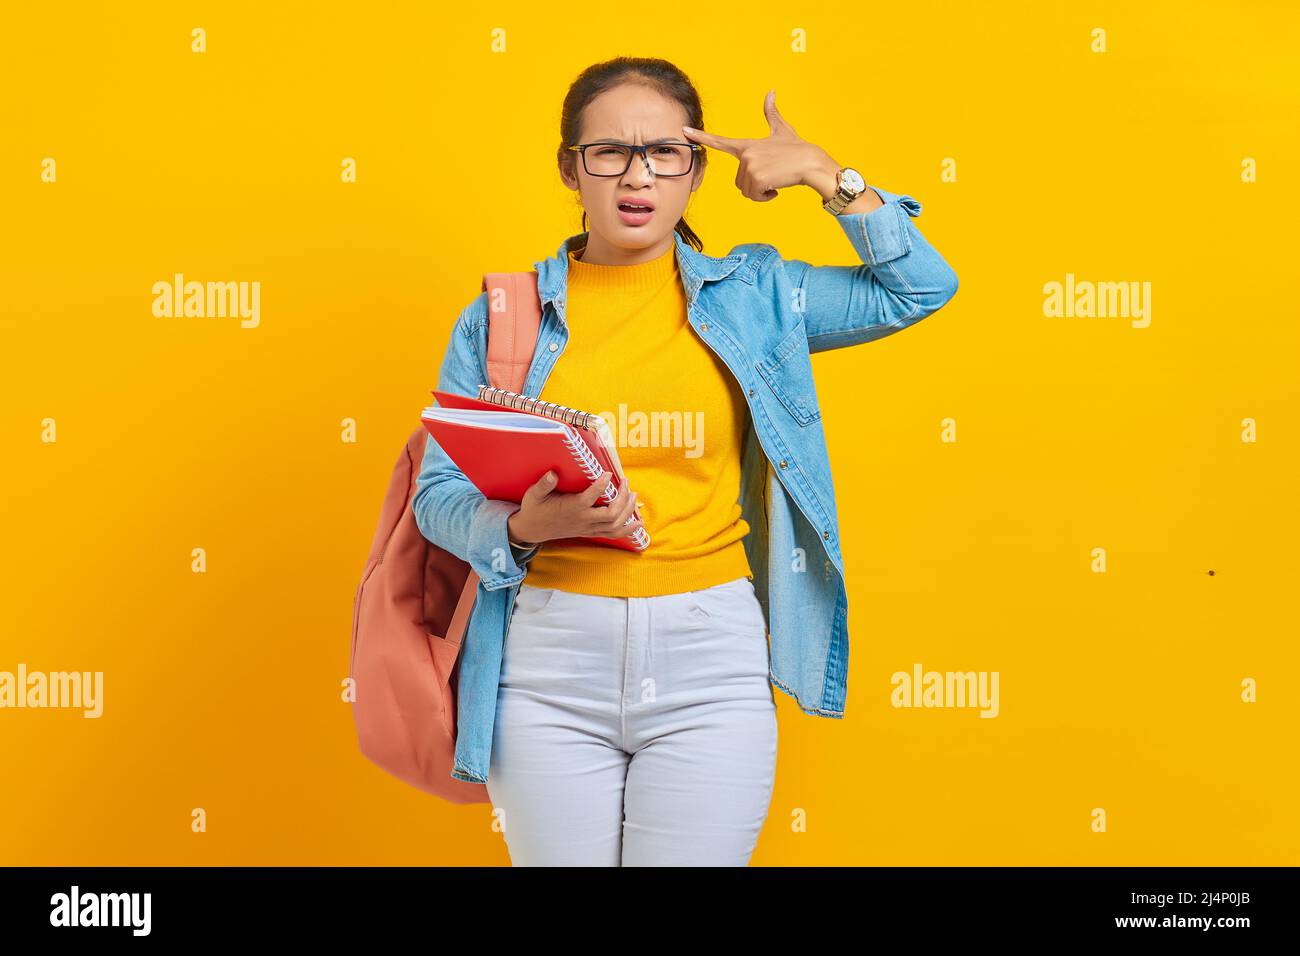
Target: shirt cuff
(497,562)
(882,234)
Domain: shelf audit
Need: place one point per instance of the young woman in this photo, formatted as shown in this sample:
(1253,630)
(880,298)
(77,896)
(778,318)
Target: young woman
(624,700)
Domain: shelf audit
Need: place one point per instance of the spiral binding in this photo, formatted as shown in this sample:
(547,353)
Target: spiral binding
(524,403)
(570,416)
(591,467)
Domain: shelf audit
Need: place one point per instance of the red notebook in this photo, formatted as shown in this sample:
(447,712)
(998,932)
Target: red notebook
(504,442)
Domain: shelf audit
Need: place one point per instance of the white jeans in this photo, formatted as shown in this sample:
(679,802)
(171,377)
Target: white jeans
(634,731)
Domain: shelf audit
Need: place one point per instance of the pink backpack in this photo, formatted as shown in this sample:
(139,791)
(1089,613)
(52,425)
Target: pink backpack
(415,598)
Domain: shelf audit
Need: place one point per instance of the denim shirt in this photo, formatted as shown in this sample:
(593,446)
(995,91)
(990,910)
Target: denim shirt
(762,315)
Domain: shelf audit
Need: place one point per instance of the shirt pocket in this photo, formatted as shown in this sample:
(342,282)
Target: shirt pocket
(787,370)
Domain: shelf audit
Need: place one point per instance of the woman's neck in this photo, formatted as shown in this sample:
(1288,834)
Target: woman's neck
(598,252)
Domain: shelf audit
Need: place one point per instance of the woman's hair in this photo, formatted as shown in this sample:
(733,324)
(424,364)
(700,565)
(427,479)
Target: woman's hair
(659,75)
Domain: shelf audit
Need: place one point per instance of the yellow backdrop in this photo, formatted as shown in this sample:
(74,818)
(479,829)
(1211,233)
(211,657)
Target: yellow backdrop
(1100,510)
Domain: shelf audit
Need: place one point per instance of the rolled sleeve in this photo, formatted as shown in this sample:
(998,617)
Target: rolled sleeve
(881,235)
(900,279)
(491,554)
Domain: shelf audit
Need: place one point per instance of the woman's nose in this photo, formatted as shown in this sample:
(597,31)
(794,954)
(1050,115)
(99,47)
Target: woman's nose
(639,171)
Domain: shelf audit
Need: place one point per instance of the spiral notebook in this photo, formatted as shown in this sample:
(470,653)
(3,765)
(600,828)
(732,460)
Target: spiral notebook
(504,442)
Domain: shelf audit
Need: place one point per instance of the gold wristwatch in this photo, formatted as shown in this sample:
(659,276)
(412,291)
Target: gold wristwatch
(849,186)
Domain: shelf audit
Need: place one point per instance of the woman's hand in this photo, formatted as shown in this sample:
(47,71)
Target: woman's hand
(545,514)
(767,165)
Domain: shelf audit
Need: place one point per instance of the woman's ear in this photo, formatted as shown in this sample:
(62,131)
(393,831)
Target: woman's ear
(567,176)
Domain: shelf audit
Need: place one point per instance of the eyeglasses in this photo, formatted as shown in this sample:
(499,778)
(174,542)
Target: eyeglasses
(614,159)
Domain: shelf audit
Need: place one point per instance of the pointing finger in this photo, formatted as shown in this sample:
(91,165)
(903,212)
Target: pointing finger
(725,143)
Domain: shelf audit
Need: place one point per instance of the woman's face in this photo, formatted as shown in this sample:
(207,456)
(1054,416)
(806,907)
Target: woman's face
(636,114)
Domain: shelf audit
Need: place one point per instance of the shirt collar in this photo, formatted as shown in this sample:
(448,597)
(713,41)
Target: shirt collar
(696,268)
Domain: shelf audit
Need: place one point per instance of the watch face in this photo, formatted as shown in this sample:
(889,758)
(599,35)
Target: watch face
(852,179)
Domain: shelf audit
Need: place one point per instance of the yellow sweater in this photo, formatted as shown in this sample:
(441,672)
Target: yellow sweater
(679,419)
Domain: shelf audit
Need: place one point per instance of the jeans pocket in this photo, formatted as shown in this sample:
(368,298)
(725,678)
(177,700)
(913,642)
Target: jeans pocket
(731,607)
(531,600)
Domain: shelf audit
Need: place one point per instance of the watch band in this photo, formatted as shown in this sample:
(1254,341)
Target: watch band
(843,194)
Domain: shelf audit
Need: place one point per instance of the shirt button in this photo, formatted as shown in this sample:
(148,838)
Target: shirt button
(782,462)
(553,346)
(704,326)
(826,535)
(751,393)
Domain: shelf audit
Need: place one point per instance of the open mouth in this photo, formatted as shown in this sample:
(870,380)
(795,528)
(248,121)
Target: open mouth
(627,206)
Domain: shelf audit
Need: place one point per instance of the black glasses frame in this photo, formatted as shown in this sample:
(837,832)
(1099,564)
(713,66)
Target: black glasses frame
(642,151)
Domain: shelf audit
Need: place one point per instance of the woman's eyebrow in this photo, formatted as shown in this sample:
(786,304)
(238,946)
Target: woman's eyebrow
(649,142)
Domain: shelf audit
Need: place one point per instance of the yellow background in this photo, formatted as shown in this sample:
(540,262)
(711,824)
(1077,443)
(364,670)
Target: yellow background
(222,690)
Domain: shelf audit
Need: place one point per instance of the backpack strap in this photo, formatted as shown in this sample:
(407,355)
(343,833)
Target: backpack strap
(514,319)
